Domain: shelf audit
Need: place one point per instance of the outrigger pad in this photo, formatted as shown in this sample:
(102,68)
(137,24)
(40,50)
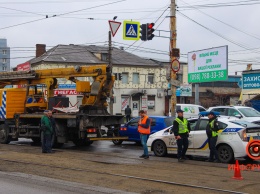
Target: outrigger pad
(95,88)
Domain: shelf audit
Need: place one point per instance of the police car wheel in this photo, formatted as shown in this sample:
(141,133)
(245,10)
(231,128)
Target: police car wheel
(225,154)
(159,148)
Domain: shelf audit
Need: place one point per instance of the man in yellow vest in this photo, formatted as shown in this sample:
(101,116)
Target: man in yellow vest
(144,130)
(212,133)
(181,130)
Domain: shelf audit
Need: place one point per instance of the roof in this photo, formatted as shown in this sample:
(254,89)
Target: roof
(86,54)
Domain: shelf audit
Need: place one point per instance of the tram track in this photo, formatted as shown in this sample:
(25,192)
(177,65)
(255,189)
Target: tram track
(125,176)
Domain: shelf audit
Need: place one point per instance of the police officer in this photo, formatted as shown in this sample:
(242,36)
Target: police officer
(212,133)
(181,129)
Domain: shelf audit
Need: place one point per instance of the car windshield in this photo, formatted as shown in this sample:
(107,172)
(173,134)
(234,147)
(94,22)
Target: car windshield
(244,123)
(169,121)
(249,112)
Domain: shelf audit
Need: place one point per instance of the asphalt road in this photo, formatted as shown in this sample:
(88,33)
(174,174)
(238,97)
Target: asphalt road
(106,166)
(130,149)
(20,183)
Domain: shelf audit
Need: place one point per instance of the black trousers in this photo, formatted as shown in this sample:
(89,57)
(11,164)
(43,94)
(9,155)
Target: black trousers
(128,117)
(212,147)
(182,144)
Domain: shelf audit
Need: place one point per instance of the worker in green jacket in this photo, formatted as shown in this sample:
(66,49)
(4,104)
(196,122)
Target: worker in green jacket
(47,131)
(212,133)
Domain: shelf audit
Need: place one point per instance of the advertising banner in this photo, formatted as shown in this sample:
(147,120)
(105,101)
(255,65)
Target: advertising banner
(251,81)
(208,65)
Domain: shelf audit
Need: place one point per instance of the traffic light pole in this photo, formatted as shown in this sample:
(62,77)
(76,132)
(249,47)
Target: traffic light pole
(173,37)
(110,68)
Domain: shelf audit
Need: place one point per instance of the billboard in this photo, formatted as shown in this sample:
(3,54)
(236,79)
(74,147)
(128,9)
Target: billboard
(208,65)
(24,67)
(184,90)
(251,81)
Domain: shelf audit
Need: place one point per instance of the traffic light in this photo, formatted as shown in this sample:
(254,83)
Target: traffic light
(143,32)
(150,31)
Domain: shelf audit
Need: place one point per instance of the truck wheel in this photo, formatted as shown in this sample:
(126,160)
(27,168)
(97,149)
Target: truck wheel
(89,143)
(36,140)
(225,154)
(159,148)
(82,142)
(4,134)
(55,143)
(117,141)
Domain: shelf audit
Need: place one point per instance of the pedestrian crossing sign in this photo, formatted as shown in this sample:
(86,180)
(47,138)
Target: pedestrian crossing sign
(131,30)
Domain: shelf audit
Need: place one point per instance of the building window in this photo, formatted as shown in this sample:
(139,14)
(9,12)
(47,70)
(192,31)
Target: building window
(4,52)
(4,60)
(151,78)
(136,78)
(125,78)
(4,68)
(104,56)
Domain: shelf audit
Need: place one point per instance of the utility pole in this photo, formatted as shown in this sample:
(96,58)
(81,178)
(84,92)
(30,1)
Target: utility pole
(173,37)
(110,69)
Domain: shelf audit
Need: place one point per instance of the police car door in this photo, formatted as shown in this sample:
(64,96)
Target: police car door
(193,123)
(200,139)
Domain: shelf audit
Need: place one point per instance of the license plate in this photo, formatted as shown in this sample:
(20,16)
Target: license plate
(92,135)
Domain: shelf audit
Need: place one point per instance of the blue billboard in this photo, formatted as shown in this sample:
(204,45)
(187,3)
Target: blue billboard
(251,81)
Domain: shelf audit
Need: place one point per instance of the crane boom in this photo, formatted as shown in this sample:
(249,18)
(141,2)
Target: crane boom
(94,94)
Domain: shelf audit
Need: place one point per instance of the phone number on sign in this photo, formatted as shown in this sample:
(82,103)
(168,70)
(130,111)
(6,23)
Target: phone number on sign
(212,75)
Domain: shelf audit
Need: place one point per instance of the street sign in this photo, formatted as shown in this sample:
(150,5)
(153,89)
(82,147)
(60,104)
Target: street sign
(131,30)
(175,65)
(175,82)
(114,26)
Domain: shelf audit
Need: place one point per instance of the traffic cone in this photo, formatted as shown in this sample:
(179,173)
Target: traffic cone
(237,174)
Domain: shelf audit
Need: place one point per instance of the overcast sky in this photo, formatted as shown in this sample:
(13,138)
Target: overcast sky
(201,24)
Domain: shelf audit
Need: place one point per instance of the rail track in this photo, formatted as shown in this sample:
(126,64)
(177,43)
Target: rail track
(125,176)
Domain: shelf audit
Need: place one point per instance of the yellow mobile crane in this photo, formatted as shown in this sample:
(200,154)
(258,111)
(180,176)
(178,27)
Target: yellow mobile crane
(22,108)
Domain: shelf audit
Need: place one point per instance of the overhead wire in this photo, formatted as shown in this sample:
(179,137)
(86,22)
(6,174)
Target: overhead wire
(58,15)
(214,32)
(217,5)
(157,25)
(249,34)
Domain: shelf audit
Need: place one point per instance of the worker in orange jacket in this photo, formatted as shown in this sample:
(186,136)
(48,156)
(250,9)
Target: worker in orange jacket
(144,130)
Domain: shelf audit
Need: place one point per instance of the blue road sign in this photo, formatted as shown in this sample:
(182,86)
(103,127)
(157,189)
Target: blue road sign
(131,30)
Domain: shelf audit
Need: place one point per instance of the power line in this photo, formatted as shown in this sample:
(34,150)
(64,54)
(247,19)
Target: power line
(251,35)
(61,14)
(218,34)
(217,5)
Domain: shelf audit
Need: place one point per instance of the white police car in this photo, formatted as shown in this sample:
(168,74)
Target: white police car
(232,139)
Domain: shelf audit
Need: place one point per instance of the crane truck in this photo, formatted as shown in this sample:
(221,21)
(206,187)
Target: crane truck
(21,108)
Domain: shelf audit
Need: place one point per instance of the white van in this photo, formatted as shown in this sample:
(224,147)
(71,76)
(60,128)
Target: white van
(190,110)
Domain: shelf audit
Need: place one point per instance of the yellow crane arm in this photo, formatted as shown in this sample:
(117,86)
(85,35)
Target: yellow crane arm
(94,94)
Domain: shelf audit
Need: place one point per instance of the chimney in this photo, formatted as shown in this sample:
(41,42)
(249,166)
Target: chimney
(40,49)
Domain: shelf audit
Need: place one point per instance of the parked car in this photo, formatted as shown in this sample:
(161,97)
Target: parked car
(242,112)
(130,129)
(232,139)
(190,110)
